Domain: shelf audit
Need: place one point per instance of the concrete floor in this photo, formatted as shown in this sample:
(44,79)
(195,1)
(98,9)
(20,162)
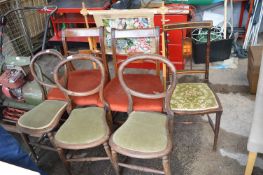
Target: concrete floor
(192,154)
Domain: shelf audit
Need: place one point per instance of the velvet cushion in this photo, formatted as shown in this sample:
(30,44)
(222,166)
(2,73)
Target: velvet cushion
(143,132)
(80,81)
(193,97)
(118,100)
(55,94)
(43,115)
(84,125)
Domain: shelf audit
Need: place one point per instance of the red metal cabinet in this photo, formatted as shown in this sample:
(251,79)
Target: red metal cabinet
(174,38)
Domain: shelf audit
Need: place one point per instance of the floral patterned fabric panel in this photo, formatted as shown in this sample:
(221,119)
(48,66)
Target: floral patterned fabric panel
(128,45)
(126,19)
(193,97)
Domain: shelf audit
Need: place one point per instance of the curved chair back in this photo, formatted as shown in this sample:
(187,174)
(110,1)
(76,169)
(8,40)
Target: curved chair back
(88,57)
(37,72)
(130,92)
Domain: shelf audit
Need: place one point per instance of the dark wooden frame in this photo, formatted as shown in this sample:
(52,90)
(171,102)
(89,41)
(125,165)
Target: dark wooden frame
(45,132)
(219,110)
(103,141)
(165,154)
(134,33)
(87,32)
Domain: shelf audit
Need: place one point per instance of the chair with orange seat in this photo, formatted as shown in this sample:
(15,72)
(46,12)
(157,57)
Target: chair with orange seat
(146,83)
(77,79)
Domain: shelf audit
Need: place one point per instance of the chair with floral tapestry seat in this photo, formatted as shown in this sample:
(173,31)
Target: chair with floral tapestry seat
(195,99)
(44,118)
(114,93)
(77,78)
(145,134)
(86,127)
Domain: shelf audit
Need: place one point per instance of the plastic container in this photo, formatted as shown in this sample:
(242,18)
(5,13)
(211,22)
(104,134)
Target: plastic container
(220,50)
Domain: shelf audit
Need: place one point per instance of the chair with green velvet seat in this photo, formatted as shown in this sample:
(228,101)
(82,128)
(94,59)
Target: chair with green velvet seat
(45,117)
(86,127)
(145,134)
(196,98)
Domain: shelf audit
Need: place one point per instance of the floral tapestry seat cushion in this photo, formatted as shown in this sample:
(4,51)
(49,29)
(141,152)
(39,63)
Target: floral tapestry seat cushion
(193,97)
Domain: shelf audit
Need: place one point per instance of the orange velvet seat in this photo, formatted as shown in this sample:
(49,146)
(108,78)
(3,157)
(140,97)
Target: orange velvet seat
(80,81)
(55,94)
(83,80)
(118,100)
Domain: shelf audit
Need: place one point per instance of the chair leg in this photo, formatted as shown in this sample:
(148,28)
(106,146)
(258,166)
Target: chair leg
(64,160)
(250,163)
(60,153)
(115,162)
(108,151)
(30,147)
(109,119)
(217,128)
(166,165)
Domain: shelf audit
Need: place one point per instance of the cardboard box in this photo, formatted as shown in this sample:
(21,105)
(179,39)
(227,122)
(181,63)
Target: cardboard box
(254,61)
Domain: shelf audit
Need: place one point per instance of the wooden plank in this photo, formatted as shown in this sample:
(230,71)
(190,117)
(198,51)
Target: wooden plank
(250,163)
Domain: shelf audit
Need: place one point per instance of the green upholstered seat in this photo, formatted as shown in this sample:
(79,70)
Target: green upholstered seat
(84,125)
(43,115)
(193,97)
(143,132)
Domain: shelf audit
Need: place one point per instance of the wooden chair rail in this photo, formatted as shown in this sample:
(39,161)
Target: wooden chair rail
(188,25)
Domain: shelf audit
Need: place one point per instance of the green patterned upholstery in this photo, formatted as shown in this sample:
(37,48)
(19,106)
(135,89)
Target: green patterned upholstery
(43,115)
(193,97)
(84,125)
(143,132)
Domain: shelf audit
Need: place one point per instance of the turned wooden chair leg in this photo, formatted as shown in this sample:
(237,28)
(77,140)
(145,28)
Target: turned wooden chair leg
(108,152)
(64,160)
(109,119)
(166,165)
(250,163)
(115,162)
(60,153)
(217,128)
(30,147)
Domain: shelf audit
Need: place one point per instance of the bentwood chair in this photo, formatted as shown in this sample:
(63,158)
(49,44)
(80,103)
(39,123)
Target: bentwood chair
(196,98)
(44,118)
(145,134)
(85,127)
(114,93)
(77,79)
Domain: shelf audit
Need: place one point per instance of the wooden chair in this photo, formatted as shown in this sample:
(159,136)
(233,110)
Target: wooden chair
(86,127)
(145,134)
(44,118)
(77,79)
(115,94)
(196,98)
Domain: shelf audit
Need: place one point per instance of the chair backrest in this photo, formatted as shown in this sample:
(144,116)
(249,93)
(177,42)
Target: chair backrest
(86,33)
(130,92)
(98,88)
(151,33)
(193,25)
(36,70)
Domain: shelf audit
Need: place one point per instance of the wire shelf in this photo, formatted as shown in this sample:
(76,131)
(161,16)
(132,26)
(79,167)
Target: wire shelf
(24,29)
